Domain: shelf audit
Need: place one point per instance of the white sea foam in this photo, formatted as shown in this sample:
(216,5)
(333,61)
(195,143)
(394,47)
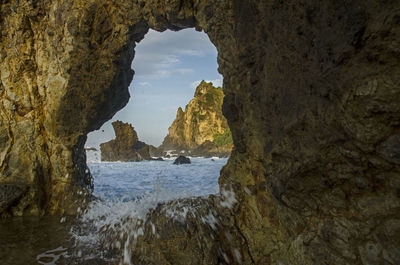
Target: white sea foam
(211,220)
(52,256)
(228,197)
(127,192)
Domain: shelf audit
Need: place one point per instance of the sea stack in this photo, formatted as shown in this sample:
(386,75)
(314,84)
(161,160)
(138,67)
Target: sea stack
(126,146)
(201,129)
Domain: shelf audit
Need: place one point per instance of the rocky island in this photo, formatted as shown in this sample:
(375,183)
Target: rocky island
(126,146)
(201,130)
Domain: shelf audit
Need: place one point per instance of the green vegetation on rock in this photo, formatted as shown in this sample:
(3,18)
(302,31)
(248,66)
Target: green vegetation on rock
(223,138)
(201,122)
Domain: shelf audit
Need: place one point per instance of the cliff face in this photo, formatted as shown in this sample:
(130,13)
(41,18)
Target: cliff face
(311,96)
(126,145)
(197,127)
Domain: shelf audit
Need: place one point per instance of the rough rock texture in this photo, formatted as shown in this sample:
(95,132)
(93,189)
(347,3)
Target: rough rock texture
(126,145)
(155,151)
(311,96)
(201,121)
(192,236)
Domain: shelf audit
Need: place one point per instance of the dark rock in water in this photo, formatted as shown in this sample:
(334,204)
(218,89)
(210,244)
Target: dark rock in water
(212,160)
(167,156)
(182,160)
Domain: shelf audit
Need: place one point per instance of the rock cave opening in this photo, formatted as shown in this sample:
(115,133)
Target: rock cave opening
(175,109)
(311,96)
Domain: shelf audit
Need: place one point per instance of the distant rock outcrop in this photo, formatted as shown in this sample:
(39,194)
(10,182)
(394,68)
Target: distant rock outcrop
(198,129)
(182,160)
(126,145)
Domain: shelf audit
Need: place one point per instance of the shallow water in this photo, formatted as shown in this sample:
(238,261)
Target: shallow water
(22,239)
(129,180)
(126,191)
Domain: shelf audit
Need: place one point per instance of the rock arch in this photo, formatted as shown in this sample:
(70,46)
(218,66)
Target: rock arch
(312,99)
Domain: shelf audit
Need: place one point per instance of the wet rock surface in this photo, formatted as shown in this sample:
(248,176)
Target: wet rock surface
(311,97)
(189,232)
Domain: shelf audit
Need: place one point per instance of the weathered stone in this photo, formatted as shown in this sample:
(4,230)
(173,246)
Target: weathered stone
(10,194)
(311,97)
(390,149)
(208,149)
(189,232)
(195,130)
(126,145)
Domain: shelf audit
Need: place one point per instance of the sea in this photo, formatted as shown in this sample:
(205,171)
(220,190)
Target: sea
(123,191)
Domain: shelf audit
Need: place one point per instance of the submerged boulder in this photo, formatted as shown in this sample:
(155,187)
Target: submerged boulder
(182,160)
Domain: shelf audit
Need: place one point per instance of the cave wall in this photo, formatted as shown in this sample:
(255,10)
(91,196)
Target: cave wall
(315,117)
(312,99)
(65,69)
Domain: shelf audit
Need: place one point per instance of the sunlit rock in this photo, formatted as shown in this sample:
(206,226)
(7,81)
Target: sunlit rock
(201,129)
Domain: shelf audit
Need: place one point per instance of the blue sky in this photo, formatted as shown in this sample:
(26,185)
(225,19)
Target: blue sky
(168,66)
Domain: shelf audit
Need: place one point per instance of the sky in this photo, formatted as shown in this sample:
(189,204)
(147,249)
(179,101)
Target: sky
(168,66)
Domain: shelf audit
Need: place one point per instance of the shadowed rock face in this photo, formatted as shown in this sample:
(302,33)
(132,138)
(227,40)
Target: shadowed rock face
(126,145)
(312,99)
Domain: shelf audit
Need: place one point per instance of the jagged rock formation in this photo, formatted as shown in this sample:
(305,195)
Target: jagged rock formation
(196,128)
(311,96)
(126,145)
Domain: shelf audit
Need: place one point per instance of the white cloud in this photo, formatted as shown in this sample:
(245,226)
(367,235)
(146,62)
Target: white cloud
(160,66)
(216,83)
(168,61)
(157,56)
(182,71)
